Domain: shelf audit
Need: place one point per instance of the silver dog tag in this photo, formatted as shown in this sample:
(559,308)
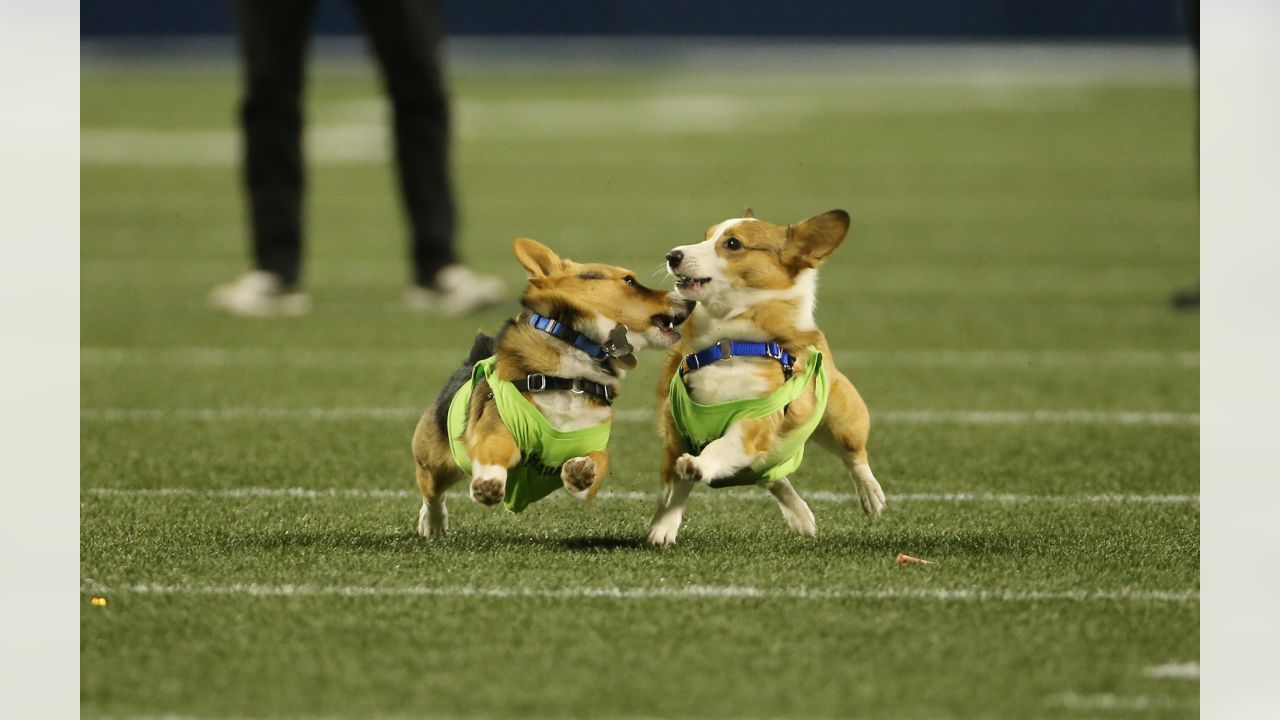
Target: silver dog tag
(618,348)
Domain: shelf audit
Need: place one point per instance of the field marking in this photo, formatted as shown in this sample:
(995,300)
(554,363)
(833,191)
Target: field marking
(355,131)
(654,592)
(248,413)
(912,417)
(1038,417)
(1073,700)
(341,357)
(637,495)
(1175,671)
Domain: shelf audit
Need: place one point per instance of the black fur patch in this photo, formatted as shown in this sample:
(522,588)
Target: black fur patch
(482,348)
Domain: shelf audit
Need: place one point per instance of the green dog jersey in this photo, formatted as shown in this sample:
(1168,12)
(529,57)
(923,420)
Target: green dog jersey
(699,425)
(543,449)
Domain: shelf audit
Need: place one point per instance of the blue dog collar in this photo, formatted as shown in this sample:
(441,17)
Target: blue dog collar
(726,349)
(555,328)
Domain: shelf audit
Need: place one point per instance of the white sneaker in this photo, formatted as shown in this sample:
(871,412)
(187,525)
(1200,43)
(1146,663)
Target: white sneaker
(458,291)
(259,293)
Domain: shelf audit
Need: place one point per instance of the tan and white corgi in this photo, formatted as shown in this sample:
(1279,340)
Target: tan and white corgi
(529,410)
(753,376)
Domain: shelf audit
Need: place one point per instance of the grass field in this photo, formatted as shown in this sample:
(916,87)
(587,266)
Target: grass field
(247,501)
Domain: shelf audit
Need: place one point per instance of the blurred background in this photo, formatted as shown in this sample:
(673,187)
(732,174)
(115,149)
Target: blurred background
(924,19)
(978,145)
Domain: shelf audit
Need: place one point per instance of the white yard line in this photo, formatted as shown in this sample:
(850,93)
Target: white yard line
(249,413)
(915,417)
(1037,417)
(642,593)
(1121,703)
(1175,671)
(636,495)
(356,131)
(344,357)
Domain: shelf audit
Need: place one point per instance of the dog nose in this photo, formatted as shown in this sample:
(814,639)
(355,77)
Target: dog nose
(674,257)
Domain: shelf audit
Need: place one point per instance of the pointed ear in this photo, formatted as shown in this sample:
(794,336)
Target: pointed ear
(537,258)
(748,213)
(810,242)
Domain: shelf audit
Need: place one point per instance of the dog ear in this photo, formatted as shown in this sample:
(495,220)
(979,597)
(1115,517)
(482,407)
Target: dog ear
(537,258)
(810,242)
(748,213)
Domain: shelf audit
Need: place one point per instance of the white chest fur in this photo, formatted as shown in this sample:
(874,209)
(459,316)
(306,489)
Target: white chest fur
(726,381)
(567,411)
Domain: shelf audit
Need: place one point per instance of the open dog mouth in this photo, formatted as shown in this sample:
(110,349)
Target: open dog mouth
(684,282)
(667,324)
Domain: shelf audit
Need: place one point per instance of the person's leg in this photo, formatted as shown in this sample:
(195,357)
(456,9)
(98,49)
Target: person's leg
(273,40)
(406,35)
(1189,298)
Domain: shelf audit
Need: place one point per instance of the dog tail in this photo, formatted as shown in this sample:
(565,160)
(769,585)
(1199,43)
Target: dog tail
(481,348)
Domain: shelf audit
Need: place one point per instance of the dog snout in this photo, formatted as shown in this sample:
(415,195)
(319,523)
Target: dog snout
(674,258)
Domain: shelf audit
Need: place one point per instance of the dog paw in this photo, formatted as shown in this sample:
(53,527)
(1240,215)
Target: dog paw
(800,520)
(687,468)
(488,491)
(663,532)
(579,475)
(869,492)
(433,520)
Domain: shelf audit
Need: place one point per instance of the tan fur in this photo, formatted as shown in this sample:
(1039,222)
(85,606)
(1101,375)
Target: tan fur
(753,292)
(601,295)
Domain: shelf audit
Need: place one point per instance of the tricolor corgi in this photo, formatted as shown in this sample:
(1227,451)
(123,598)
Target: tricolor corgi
(753,377)
(529,411)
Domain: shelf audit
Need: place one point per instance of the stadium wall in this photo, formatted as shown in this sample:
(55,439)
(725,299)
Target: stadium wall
(977,19)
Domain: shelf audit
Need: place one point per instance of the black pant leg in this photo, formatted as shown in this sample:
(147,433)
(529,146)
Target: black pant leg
(406,35)
(273,41)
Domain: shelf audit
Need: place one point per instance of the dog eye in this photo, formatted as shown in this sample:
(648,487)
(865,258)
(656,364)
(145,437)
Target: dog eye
(733,244)
(630,280)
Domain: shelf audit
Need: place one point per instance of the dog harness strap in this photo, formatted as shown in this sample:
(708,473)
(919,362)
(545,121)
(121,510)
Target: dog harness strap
(543,448)
(537,382)
(555,328)
(700,425)
(726,349)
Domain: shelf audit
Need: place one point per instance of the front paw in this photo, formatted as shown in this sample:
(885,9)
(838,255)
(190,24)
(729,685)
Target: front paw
(872,498)
(800,519)
(664,530)
(433,520)
(687,468)
(579,476)
(869,491)
(488,491)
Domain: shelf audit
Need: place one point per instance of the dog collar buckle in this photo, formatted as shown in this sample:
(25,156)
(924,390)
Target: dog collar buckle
(725,349)
(576,387)
(542,380)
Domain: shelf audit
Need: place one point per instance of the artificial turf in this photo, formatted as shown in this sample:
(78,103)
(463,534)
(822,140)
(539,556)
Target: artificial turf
(1013,249)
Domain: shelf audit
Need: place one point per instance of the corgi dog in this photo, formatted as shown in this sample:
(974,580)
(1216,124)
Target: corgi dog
(529,411)
(753,377)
